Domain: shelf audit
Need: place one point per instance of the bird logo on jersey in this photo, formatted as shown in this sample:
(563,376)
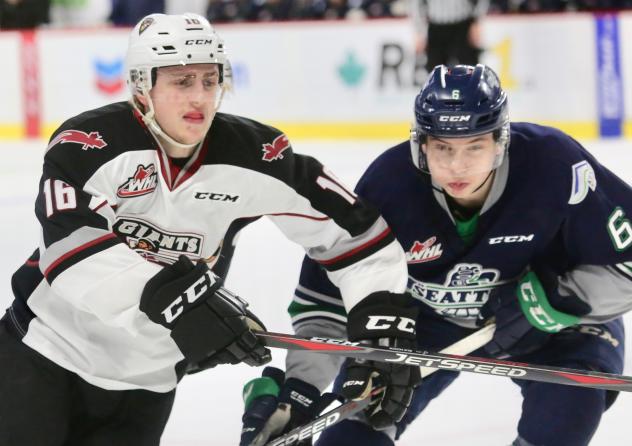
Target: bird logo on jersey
(92,140)
(424,252)
(142,182)
(275,150)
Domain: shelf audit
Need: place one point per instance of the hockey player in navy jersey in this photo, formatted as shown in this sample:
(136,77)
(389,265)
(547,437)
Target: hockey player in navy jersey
(139,204)
(512,223)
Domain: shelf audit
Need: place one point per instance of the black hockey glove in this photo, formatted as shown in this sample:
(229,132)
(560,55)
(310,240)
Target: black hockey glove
(388,320)
(209,324)
(275,406)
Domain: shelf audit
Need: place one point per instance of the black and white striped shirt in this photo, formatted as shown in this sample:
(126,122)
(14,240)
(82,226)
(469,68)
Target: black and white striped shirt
(443,12)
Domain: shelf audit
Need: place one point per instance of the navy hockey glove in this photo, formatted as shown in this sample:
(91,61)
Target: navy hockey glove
(275,406)
(388,320)
(209,324)
(543,305)
(516,332)
(514,335)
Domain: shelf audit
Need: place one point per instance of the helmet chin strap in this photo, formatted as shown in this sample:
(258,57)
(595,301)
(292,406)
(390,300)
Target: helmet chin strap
(489,175)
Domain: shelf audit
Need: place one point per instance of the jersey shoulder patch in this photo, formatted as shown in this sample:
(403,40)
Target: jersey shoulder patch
(583,180)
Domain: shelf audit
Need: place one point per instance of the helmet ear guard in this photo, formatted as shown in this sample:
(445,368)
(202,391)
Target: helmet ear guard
(460,101)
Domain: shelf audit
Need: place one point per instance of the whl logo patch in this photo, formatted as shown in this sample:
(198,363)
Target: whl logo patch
(92,140)
(424,252)
(143,182)
(275,150)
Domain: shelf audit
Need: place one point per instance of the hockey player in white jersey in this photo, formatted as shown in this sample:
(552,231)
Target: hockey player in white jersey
(139,204)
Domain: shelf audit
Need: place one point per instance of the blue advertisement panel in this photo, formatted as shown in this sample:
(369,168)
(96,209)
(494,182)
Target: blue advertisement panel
(609,83)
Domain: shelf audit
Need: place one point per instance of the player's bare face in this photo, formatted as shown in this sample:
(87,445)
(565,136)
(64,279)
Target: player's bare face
(185,100)
(461,165)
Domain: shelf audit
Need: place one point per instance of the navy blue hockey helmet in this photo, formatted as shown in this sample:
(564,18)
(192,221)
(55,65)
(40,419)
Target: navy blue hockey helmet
(460,101)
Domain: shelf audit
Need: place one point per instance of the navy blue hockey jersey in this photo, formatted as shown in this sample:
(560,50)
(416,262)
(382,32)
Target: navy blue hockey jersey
(552,205)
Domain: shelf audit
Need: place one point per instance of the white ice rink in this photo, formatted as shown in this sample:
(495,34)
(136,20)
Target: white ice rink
(475,411)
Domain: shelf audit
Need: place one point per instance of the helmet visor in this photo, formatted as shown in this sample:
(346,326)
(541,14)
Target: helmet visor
(462,156)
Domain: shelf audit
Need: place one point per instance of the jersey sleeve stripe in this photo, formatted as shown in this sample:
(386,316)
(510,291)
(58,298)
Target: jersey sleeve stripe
(311,217)
(624,270)
(99,206)
(316,298)
(301,311)
(317,316)
(360,252)
(79,253)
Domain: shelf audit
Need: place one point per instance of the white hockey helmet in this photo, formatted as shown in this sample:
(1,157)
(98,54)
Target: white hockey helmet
(161,40)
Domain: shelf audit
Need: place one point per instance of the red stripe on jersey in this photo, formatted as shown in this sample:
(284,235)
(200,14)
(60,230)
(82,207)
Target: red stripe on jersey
(34,263)
(196,164)
(100,206)
(386,232)
(289,214)
(76,250)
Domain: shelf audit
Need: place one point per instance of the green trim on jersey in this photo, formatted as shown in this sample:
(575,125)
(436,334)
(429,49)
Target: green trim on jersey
(467,228)
(296,308)
(537,309)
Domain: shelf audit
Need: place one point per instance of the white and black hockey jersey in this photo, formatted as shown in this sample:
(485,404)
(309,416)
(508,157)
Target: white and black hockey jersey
(114,208)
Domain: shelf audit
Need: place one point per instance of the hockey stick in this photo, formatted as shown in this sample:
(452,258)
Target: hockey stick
(453,362)
(462,347)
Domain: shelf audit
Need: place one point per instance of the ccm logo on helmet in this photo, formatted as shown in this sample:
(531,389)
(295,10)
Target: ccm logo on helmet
(454,118)
(384,323)
(198,42)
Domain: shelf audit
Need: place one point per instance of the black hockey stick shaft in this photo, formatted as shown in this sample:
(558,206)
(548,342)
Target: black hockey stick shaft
(346,410)
(455,363)
(316,426)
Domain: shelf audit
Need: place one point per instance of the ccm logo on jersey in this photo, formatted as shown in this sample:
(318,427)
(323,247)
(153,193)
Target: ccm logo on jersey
(385,322)
(511,239)
(190,295)
(216,196)
(143,182)
(275,150)
(454,118)
(92,140)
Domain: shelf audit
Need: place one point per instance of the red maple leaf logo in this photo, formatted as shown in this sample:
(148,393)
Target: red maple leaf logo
(275,150)
(92,140)
(419,247)
(142,172)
